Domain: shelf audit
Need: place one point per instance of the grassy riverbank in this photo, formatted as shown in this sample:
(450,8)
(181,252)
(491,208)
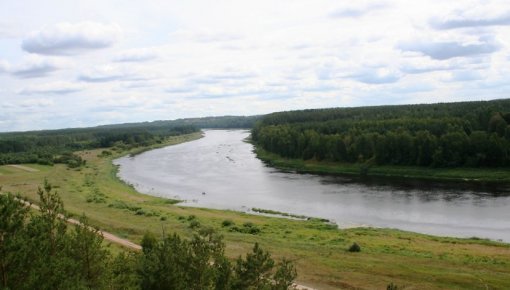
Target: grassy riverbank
(487,175)
(407,259)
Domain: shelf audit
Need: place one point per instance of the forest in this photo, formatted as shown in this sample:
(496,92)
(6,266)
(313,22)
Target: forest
(464,134)
(56,146)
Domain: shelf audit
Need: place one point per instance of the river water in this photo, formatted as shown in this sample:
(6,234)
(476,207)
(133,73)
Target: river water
(221,171)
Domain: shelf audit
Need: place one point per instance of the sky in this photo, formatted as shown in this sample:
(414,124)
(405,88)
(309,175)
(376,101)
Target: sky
(85,63)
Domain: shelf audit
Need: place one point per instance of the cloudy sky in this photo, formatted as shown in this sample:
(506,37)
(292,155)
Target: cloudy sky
(84,63)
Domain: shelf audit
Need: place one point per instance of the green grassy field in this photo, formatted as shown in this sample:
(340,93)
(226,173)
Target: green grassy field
(412,260)
(492,175)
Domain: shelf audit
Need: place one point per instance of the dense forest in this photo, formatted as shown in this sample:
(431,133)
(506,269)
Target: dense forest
(464,134)
(38,250)
(56,146)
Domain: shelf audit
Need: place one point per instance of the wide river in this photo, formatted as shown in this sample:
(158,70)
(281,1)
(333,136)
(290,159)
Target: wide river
(221,171)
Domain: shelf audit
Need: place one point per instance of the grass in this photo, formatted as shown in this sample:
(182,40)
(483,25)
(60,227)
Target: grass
(481,175)
(319,251)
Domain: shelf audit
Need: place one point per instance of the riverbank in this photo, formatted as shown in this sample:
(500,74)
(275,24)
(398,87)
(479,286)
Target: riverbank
(319,250)
(473,175)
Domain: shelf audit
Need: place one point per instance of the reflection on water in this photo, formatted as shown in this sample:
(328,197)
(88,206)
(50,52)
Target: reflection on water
(224,167)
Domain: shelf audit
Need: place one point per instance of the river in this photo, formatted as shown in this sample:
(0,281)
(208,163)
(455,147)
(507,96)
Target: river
(221,171)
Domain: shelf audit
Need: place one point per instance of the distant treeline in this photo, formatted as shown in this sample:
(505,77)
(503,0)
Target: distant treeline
(223,122)
(56,146)
(470,134)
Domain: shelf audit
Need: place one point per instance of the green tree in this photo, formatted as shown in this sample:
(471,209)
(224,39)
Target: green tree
(38,252)
(13,216)
(497,124)
(89,256)
(255,271)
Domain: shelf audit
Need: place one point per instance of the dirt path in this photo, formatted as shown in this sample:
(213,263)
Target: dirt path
(106,235)
(301,287)
(22,167)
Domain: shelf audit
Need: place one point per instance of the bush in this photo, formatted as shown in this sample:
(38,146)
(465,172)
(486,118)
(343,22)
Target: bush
(248,228)
(105,153)
(354,248)
(194,224)
(200,263)
(227,223)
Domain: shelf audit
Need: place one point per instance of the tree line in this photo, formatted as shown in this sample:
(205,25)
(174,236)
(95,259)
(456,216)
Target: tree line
(472,134)
(56,146)
(38,250)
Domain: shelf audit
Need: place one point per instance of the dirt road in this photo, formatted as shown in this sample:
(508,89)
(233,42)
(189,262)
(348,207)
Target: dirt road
(22,167)
(106,235)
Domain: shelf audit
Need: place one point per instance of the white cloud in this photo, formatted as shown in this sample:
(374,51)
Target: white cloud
(53,88)
(206,35)
(105,73)
(423,68)
(357,11)
(465,75)
(36,103)
(136,55)
(449,49)
(35,67)
(4,66)
(376,76)
(465,22)
(71,38)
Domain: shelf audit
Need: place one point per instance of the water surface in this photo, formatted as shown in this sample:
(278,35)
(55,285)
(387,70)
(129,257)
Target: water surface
(221,171)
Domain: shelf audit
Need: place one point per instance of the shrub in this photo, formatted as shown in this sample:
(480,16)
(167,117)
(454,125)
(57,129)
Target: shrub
(194,224)
(105,153)
(227,223)
(354,248)
(248,228)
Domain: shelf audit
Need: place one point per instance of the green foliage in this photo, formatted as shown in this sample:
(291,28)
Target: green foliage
(123,274)
(38,251)
(392,286)
(194,224)
(354,248)
(227,223)
(90,257)
(256,272)
(200,263)
(247,228)
(72,160)
(137,210)
(105,153)
(275,212)
(56,146)
(439,135)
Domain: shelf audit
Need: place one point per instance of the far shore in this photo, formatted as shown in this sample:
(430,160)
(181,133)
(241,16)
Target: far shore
(493,176)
